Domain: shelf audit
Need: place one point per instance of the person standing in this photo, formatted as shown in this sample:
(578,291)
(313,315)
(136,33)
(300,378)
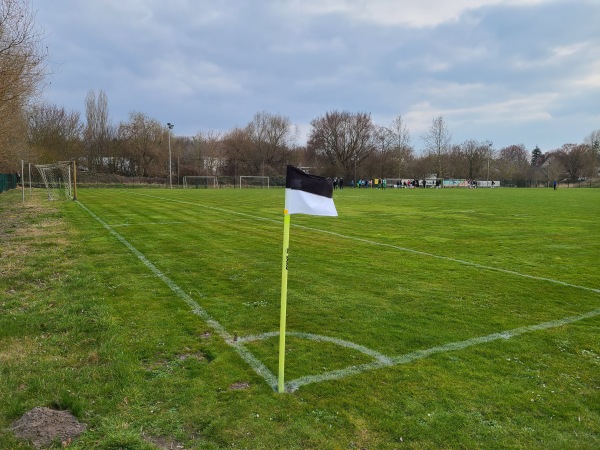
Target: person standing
(554,184)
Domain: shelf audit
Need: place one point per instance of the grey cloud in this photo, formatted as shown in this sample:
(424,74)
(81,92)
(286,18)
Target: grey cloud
(212,65)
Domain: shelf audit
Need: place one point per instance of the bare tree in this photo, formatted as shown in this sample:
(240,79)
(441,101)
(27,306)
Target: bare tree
(345,138)
(593,140)
(470,159)
(551,168)
(420,167)
(437,141)
(22,69)
(212,157)
(98,133)
(403,152)
(143,139)
(54,133)
(261,147)
(575,159)
(271,137)
(383,157)
(513,162)
(237,145)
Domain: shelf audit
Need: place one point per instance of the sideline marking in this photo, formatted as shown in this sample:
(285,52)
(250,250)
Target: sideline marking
(380,360)
(258,366)
(142,223)
(448,258)
(381,244)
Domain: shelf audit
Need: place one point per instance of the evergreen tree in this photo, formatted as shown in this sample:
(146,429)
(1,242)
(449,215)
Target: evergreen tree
(536,155)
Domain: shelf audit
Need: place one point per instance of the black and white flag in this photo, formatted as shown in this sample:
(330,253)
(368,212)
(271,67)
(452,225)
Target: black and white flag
(308,194)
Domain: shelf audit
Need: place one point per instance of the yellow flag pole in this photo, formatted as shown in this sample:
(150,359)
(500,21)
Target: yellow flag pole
(282,318)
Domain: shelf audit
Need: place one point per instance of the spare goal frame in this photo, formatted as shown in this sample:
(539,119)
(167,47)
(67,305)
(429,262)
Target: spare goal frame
(188,181)
(261,186)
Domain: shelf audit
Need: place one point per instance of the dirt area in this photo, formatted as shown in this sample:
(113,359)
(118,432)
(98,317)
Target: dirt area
(44,426)
(163,443)
(239,386)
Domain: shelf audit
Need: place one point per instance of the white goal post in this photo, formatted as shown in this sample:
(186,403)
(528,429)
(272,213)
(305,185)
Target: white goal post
(200,182)
(250,181)
(58,179)
(394,182)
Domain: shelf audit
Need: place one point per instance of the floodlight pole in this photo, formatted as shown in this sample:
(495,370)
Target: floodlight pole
(170,125)
(489,154)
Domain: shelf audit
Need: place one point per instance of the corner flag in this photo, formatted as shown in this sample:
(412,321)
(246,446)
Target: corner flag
(308,194)
(304,194)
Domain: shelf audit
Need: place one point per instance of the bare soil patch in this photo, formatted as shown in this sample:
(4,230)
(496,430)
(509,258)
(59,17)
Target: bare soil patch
(43,426)
(240,385)
(164,443)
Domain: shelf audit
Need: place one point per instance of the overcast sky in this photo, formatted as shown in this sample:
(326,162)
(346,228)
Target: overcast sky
(509,71)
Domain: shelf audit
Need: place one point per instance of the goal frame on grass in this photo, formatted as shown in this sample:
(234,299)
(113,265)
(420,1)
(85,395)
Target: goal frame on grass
(393,182)
(194,178)
(59,179)
(261,178)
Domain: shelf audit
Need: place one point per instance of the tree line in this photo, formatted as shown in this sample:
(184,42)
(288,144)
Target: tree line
(340,143)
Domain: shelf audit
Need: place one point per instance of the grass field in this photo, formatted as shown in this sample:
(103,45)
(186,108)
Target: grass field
(416,319)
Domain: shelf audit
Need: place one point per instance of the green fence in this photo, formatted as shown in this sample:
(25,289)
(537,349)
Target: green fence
(8,181)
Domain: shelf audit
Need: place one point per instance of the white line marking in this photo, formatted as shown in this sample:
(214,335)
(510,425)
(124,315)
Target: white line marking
(258,366)
(141,223)
(450,347)
(319,338)
(380,360)
(381,244)
(459,261)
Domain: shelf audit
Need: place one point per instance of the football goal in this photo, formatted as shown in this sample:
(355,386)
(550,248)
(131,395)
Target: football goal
(394,182)
(58,179)
(249,181)
(200,182)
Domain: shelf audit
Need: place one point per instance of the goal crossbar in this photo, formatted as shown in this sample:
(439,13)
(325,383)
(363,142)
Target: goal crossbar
(58,179)
(254,181)
(196,181)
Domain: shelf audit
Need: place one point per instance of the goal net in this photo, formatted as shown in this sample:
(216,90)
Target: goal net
(249,181)
(200,182)
(58,179)
(394,182)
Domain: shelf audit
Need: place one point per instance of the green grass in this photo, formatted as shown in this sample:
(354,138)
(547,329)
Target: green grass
(85,325)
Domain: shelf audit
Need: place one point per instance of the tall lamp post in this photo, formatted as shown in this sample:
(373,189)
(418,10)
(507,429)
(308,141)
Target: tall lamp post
(170,125)
(489,155)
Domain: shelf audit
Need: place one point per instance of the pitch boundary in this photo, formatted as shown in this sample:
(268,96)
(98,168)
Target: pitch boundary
(379,360)
(256,365)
